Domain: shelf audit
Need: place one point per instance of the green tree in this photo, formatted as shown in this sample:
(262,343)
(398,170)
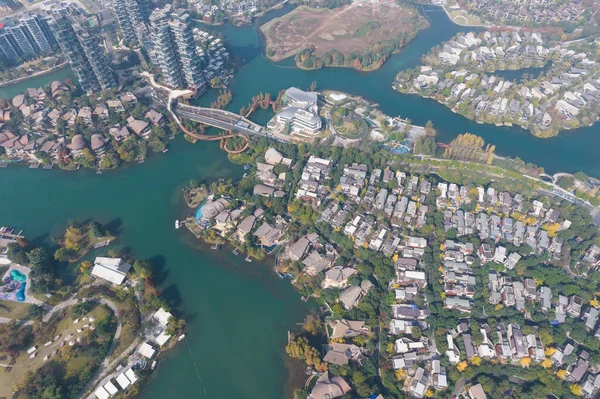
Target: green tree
(63,254)
(17,254)
(35,312)
(143,268)
(39,259)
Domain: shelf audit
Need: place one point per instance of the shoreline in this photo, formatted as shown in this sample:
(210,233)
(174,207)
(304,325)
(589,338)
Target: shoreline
(465,25)
(563,129)
(34,75)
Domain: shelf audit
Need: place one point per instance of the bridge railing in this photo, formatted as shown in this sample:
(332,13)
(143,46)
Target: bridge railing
(214,114)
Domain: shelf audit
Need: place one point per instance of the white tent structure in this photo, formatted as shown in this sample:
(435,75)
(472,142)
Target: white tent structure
(111,269)
(101,393)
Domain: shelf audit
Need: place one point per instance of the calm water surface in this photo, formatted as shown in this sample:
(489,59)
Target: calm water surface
(239,313)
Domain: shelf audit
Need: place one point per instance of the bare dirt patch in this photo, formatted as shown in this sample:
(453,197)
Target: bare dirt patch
(358,28)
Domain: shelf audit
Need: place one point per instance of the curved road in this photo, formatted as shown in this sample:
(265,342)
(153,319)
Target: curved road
(173,95)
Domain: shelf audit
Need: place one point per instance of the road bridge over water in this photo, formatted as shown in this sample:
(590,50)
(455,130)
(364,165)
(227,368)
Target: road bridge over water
(218,118)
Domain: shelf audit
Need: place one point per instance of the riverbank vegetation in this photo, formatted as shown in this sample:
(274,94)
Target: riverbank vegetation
(357,37)
(14,71)
(194,193)
(224,98)
(79,239)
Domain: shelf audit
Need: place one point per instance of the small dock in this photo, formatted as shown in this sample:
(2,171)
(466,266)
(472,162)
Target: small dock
(236,252)
(248,259)
(48,167)
(101,244)
(8,237)
(3,164)
(34,166)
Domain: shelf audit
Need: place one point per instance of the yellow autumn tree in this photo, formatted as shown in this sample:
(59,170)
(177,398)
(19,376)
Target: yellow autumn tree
(85,266)
(561,374)
(72,233)
(395,258)
(594,302)
(552,229)
(389,347)
(400,374)
(549,351)
(462,366)
(429,393)
(476,361)
(575,389)
(547,363)
(498,306)
(70,244)
(525,362)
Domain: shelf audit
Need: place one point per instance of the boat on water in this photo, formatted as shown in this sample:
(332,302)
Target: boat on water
(177,224)
(181,337)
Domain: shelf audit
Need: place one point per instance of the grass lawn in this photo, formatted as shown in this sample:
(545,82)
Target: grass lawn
(463,18)
(24,364)
(128,335)
(14,310)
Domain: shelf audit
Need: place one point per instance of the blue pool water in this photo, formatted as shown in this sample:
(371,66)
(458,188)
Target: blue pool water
(20,295)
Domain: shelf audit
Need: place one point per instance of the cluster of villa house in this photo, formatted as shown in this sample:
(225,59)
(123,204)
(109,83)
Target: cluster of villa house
(313,184)
(562,91)
(402,206)
(507,343)
(46,121)
(528,11)
(526,227)
(265,173)
(241,11)
(411,349)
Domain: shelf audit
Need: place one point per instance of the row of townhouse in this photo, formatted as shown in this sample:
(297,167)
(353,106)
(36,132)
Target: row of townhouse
(389,202)
(508,344)
(315,174)
(457,274)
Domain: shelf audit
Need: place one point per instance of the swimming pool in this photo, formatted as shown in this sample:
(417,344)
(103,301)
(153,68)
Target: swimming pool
(14,286)
(17,276)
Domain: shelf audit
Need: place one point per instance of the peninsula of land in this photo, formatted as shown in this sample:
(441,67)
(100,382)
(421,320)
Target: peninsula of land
(557,87)
(361,35)
(96,337)
(400,251)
